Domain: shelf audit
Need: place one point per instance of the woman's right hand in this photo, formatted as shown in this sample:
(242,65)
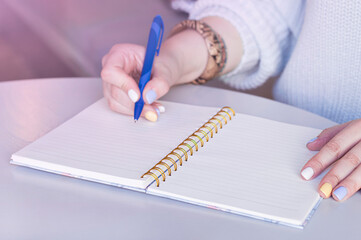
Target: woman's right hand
(182,58)
(122,67)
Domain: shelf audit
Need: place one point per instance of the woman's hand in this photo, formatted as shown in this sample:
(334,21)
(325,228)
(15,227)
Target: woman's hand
(182,58)
(341,146)
(122,67)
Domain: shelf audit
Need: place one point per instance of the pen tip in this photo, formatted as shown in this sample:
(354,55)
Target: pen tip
(135,121)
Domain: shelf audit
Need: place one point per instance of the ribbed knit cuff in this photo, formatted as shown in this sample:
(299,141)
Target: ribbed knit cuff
(264,37)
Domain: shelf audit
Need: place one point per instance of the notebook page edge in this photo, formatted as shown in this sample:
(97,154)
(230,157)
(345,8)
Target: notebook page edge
(300,224)
(137,185)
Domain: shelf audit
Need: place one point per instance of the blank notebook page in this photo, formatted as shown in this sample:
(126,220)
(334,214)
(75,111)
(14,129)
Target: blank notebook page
(251,167)
(101,145)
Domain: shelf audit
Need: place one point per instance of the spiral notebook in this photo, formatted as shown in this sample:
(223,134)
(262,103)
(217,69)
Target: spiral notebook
(200,155)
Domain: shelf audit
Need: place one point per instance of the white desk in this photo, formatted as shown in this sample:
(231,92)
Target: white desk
(39,205)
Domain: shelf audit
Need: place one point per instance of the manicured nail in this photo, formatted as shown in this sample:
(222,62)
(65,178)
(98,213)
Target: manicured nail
(326,189)
(151,116)
(133,95)
(157,110)
(307,173)
(312,140)
(340,193)
(151,96)
(161,108)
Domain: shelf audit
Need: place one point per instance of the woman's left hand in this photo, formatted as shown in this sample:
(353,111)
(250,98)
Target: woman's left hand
(339,145)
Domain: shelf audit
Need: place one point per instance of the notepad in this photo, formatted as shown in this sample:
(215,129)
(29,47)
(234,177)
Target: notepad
(205,156)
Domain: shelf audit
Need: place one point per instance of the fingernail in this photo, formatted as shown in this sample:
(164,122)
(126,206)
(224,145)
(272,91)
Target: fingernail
(157,110)
(133,95)
(307,173)
(340,193)
(151,116)
(151,96)
(312,140)
(326,189)
(161,108)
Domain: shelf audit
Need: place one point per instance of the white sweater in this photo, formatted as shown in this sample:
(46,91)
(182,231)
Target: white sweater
(315,45)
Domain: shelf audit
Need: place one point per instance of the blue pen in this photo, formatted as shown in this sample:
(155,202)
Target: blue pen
(153,46)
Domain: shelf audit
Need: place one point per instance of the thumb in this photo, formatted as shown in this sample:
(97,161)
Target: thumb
(155,88)
(164,74)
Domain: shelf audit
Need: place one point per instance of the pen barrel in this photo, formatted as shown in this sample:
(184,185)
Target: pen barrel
(138,107)
(144,79)
(150,52)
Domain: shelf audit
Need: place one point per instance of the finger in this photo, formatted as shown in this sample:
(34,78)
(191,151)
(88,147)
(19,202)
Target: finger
(349,186)
(121,97)
(105,59)
(116,76)
(115,99)
(156,109)
(149,112)
(332,150)
(119,102)
(160,107)
(343,167)
(128,57)
(106,89)
(318,142)
(155,88)
(117,107)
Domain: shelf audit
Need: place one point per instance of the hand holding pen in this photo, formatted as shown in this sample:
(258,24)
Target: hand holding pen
(183,57)
(126,63)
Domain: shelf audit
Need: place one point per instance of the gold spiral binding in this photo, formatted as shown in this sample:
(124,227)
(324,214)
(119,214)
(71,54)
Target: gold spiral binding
(234,113)
(213,124)
(171,160)
(153,175)
(208,128)
(167,166)
(200,139)
(229,115)
(183,151)
(187,145)
(194,142)
(219,121)
(220,115)
(159,170)
(202,133)
(177,155)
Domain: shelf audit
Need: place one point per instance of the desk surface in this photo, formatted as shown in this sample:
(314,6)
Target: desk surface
(39,205)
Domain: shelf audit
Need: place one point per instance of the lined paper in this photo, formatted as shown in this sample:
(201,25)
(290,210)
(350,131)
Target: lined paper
(251,167)
(100,141)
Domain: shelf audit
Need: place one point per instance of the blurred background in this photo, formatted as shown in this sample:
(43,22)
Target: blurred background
(68,38)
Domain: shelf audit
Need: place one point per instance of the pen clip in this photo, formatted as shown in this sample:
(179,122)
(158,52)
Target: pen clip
(159,41)
(159,29)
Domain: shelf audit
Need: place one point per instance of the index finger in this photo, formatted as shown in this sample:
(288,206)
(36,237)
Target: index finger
(333,150)
(116,76)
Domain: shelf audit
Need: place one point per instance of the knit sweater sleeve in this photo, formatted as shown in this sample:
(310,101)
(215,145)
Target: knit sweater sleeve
(266,34)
